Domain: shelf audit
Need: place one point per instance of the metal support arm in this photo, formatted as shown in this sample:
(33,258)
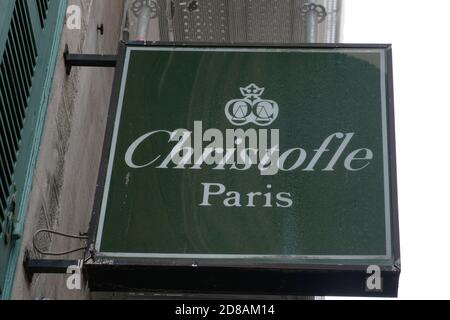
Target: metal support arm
(41,266)
(87,60)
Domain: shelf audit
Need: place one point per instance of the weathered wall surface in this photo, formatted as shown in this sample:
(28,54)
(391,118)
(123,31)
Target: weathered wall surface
(65,177)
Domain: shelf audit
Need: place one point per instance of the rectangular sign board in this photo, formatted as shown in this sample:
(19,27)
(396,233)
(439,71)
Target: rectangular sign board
(249,169)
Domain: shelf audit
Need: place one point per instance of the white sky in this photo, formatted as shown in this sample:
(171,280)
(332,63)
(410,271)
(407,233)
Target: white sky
(419,32)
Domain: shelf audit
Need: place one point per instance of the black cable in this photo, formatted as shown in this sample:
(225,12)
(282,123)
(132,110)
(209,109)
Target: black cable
(58,234)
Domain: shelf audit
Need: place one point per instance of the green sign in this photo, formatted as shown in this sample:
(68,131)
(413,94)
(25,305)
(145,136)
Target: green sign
(262,155)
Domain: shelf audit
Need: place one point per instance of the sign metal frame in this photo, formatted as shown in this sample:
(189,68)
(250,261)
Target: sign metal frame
(236,276)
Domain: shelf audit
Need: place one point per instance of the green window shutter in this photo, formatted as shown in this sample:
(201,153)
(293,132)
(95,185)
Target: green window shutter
(17,65)
(29,30)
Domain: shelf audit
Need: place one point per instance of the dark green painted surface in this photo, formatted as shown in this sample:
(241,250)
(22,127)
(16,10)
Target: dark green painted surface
(340,212)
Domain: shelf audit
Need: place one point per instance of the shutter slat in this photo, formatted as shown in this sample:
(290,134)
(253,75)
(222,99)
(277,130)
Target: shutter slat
(5,176)
(7,162)
(26,21)
(11,101)
(25,72)
(42,6)
(12,90)
(16,80)
(26,40)
(7,138)
(40,10)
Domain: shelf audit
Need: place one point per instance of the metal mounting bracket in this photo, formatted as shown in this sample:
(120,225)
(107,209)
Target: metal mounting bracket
(45,266)
(87,60)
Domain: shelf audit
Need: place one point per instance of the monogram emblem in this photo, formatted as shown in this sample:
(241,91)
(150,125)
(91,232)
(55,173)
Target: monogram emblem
(252,108)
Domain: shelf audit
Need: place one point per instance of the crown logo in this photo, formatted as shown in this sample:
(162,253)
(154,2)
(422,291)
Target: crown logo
(252,91)
(252,108)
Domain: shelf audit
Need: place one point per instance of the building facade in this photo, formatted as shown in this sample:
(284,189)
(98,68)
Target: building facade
(52,124)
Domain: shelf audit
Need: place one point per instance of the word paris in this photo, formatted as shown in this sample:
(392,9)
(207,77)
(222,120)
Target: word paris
(241,150)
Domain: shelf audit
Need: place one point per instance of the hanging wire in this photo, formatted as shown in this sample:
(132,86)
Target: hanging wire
(58,234)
